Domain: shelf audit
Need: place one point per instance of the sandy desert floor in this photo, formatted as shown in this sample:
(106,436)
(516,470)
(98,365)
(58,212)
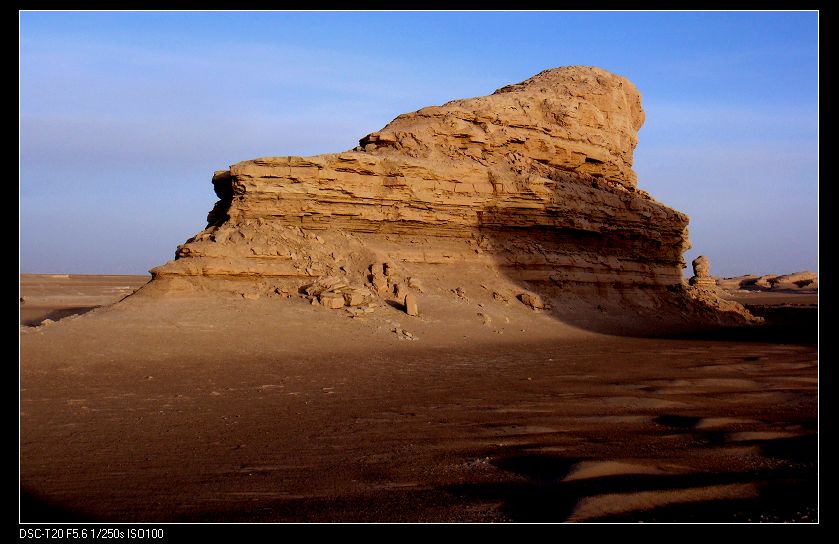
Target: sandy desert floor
(55,296)
(226,409)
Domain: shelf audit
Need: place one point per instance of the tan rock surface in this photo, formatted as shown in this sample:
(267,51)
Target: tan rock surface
(576,118)
(533,301)
(702,274)
(411,305)
(331,300)
(701,267)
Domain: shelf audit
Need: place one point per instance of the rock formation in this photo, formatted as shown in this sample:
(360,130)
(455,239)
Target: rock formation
(798,282)
(534,181)
(411,304)
(701,273)
(532,301)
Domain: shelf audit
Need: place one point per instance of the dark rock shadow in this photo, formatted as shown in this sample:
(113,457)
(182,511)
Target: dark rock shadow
(523,253)
(787,324)
(223,187)
(36,509)
(797,449)
(394,304)
(56,315)
(220,214)
(677,421)
(788,493)
(527,254)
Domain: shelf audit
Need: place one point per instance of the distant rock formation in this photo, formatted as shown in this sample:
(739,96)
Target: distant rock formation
(534,181)
(702,273)
(798,281)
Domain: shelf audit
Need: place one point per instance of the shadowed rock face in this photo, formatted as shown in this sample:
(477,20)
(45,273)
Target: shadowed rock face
(534,181)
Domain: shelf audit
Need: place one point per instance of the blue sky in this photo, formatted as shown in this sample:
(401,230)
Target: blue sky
(125,116)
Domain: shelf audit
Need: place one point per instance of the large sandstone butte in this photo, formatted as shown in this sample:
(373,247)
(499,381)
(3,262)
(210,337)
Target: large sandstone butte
(533,184)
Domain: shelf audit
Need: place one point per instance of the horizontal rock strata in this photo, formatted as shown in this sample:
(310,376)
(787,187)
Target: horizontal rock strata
(534,181)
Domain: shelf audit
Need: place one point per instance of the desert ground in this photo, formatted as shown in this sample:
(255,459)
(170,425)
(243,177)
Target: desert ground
(54,296)
(221,408)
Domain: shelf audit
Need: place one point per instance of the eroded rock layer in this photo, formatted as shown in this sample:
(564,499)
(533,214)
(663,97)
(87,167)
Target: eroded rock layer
(534,181)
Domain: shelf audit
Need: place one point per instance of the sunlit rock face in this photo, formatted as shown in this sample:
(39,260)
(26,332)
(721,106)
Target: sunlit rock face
(535,179)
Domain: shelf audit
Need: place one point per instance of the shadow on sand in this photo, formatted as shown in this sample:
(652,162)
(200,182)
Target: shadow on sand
(542,495)
(56,315)
(36,509)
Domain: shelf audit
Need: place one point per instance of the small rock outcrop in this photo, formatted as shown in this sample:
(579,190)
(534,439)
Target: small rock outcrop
(701,274)
(534,302)
(411,305)
(334,292)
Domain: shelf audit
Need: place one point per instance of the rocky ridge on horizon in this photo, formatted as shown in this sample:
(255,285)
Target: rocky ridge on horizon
(796,282)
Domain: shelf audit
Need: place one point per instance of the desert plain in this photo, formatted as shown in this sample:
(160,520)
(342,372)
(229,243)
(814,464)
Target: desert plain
(237,410)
